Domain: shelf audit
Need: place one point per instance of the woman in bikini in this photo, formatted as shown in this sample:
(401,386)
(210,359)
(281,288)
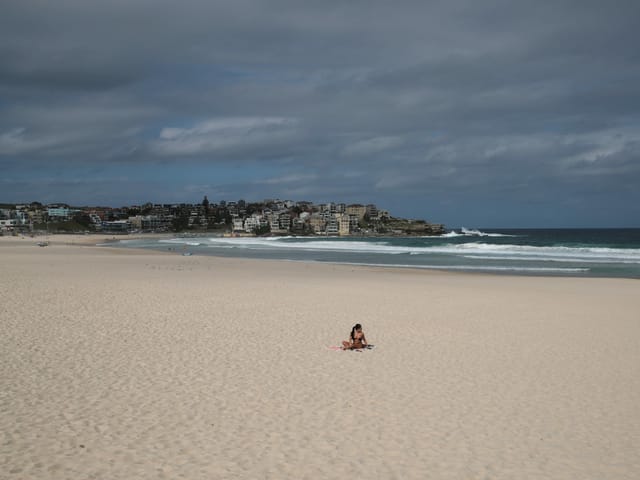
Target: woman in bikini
(356,340)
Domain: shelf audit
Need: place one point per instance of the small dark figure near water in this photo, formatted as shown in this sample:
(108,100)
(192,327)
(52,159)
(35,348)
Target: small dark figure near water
(356,340)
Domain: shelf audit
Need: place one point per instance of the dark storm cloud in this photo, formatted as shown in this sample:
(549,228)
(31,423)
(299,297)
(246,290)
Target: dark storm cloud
(387,100)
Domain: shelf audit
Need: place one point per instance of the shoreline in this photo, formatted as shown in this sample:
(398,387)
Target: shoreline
(100,241)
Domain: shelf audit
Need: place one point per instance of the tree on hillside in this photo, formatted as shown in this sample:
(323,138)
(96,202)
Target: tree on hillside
(83,220)
(262,230)
(180,223)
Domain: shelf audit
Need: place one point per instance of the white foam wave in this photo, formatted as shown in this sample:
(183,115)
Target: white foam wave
(476,268)
(519,252)
(181,241)
(478,250)
(469,233)
(274,243)
(554,259)
(477,233)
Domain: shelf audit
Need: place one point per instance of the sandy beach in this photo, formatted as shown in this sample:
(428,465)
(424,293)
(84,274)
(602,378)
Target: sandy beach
(130,364)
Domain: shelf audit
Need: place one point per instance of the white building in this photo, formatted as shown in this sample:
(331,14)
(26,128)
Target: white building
(9,224)
(116,226)
(251,223)
(60,213)
(238,225)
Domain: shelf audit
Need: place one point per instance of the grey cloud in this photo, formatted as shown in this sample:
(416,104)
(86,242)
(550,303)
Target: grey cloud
(296,178)
(70,71)
(412,95)
(81,131)
(225,135)
(374,145)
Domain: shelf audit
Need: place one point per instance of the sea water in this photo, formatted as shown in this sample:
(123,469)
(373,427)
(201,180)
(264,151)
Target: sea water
(558,252)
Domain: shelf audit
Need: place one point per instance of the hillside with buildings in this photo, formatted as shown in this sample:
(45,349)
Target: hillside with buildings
(269,217)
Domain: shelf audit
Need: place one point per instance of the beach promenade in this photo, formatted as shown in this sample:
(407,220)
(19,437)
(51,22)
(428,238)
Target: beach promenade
(133,364)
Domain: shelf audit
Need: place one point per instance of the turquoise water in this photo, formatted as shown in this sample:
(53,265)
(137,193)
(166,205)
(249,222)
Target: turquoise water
(558,252)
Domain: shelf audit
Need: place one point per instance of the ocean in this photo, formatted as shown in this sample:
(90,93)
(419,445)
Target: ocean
(556,252)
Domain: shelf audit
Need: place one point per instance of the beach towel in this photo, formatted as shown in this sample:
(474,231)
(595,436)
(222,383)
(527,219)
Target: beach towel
(339,348)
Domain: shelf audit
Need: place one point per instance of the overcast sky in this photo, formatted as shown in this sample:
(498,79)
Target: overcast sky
(471,113)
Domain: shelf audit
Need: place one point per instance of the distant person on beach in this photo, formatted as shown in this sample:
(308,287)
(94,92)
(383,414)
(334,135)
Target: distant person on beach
(356,340)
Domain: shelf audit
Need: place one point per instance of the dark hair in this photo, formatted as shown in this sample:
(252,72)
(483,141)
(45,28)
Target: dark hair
(357,326)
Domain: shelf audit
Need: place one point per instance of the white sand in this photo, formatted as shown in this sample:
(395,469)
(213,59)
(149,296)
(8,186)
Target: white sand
(129,365)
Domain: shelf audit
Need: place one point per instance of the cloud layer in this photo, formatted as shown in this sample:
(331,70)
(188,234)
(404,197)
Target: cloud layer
(490,113)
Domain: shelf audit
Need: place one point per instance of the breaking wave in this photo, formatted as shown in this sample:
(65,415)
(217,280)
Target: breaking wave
(596,252)
(472,250)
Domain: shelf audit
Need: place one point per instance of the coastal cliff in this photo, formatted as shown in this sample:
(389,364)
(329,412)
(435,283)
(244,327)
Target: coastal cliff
(403,226)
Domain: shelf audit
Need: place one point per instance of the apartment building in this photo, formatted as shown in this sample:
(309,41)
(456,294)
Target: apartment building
(9,224)
(356,209)
(36,216)
(116,226)
(344,225)
(254,222)
(238,224)
(332,227)
(149,222)
(285,221)
(297,225)
(318,223)
(354,222)
(371,211)
(60,214)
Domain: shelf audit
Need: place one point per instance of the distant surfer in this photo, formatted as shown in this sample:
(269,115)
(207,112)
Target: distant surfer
(357,340)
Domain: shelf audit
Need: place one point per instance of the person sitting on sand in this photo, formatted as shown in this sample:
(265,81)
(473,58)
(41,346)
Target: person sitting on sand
(356,340)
